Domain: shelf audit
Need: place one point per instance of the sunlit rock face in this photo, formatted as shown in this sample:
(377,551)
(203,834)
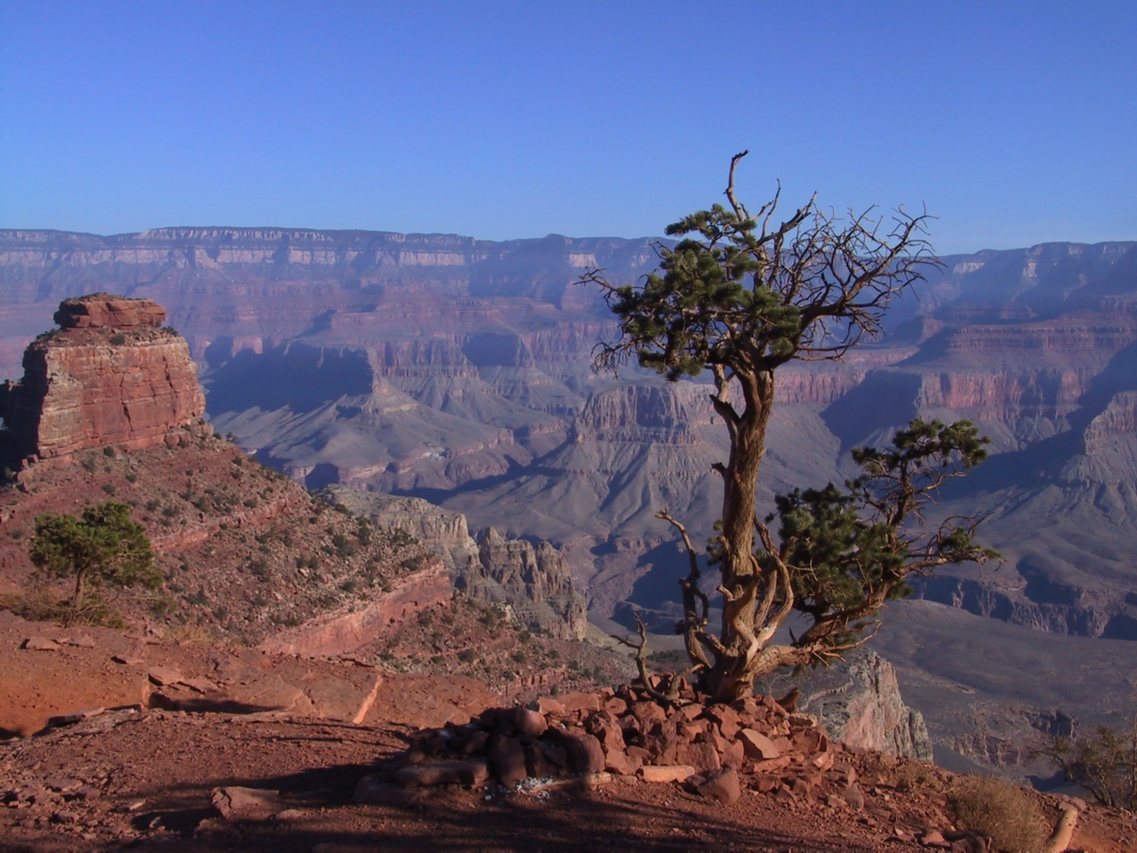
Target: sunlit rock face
(111,375)
(531,581)
(858,701)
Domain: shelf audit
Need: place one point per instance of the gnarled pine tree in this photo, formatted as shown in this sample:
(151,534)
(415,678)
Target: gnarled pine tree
(740,297)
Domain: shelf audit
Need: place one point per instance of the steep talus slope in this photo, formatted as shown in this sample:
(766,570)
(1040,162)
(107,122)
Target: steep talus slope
(245,553)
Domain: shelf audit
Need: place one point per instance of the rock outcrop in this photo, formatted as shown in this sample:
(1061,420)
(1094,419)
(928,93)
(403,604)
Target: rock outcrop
(858,701)
(440,530)
(111,375)
(532,582)
(352,627)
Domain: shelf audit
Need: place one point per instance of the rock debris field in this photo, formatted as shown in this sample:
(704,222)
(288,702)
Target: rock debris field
(599,770)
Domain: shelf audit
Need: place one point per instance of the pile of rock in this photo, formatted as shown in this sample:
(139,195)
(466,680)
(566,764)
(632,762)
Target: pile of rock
(715,749)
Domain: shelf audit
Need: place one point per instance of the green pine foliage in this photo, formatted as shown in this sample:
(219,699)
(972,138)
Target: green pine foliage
(738,297)
(856,547)
(101,546)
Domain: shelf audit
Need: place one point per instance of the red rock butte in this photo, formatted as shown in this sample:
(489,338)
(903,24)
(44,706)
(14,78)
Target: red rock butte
(103,311)
(111,375)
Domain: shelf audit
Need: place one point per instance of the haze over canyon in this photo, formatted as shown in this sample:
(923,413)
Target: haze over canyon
(459,370)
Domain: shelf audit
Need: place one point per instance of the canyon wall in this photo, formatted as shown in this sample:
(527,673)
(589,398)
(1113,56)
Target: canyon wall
(858,701)
(459,370)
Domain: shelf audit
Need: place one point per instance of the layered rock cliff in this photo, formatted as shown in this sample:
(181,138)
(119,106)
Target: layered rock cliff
(532,582)
(858,701)
(111,375)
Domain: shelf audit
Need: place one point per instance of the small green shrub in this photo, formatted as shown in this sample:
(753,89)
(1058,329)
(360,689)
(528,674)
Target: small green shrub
(363,532)
(161,605)
(467,656)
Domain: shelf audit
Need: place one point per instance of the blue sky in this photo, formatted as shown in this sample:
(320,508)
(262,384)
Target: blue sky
(1015,123)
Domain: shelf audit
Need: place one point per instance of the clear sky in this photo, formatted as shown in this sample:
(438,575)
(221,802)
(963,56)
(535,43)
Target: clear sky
(1015,123)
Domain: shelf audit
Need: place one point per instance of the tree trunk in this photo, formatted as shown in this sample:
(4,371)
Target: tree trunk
(80,592)
(733,673)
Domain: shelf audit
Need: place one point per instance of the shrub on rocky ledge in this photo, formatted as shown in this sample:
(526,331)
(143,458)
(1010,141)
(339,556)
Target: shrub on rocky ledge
(1005,813)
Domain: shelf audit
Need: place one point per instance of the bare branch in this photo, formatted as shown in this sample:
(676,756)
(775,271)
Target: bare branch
(671,697)
(694,621)
(739,209)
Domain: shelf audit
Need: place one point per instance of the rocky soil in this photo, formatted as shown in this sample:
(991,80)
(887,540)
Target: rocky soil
(344,766)
(245,553)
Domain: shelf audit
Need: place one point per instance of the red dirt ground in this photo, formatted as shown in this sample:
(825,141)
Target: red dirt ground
(142,779)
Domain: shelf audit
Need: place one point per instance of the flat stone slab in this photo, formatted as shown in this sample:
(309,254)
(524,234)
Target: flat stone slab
(758,746)
(233,801)
(40,644)
(666,772)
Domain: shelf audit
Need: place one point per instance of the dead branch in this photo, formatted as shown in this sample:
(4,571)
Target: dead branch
(641,663)
(694,621)
(739,209)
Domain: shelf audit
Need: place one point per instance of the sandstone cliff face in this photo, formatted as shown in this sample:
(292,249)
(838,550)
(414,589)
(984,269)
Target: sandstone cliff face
(1119,418)
(858,700)
(440,530)
(635,413)
(111,375)
(532,582)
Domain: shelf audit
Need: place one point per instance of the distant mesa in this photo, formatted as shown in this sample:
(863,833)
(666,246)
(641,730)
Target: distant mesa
(110,375)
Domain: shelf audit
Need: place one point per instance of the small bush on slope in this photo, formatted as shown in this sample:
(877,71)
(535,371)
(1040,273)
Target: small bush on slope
(1005,813)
